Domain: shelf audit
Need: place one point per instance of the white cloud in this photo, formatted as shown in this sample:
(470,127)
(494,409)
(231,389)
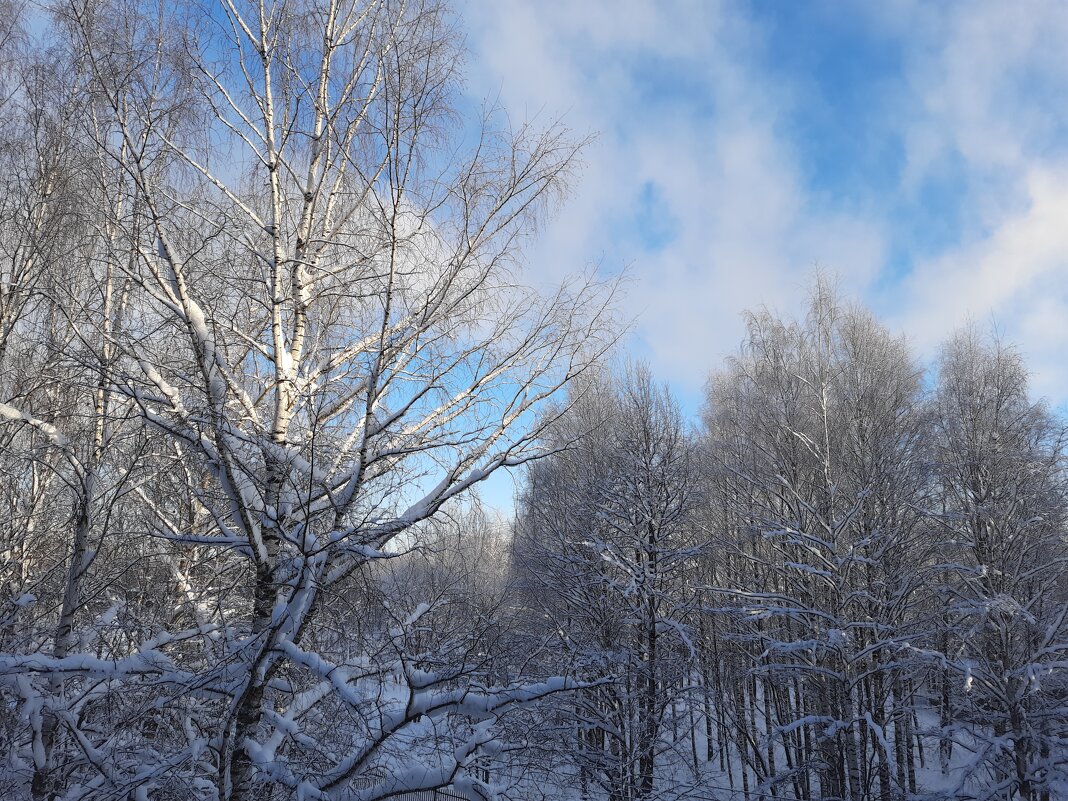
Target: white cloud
(994,273)
(746,231)
(690,119)
(990,84)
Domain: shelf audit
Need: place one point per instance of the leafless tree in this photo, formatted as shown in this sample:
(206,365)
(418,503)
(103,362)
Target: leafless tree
(603,541)
(305,297)
(1000,460)
(814,434)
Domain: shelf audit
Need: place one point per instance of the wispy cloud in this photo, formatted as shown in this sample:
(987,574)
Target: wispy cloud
(734,154)
(989,85)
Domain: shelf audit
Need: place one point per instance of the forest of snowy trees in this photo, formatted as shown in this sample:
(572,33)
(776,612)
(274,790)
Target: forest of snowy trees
(265,328)
(850,582)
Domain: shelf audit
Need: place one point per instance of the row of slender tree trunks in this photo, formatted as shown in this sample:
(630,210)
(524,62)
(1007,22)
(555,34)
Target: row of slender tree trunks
(853,586)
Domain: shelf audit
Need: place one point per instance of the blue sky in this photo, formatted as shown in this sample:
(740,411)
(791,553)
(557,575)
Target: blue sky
(917,150)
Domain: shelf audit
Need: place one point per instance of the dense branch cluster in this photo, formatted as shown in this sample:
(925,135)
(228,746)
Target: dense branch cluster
(850,583)
(262,320)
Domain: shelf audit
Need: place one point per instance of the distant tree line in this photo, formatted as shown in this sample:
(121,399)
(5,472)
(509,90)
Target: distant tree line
(851,582)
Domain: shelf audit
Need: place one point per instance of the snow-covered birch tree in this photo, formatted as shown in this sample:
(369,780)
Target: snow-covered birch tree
(320,326)
(1000,459)
(603,543)
(814,433)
